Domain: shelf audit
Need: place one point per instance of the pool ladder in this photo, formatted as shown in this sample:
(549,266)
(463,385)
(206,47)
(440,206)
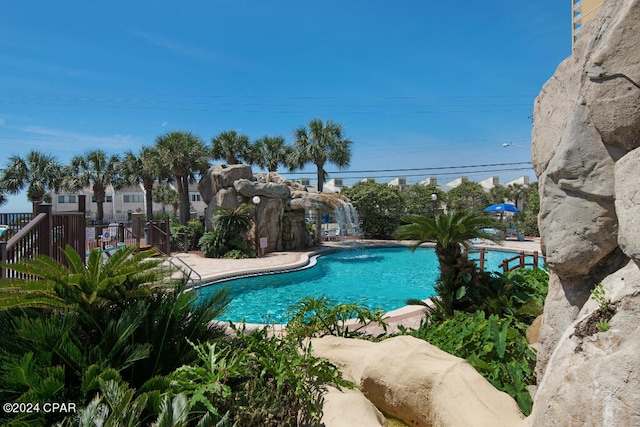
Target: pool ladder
(188,272)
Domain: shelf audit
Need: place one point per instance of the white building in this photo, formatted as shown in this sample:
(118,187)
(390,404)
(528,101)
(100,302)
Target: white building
(120,204)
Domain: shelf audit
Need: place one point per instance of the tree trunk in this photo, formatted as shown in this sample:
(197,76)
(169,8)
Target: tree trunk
(98,194)
(148,195)
(318,212)
(183,195)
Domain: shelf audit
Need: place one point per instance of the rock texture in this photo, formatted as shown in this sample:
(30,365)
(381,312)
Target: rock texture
(281,210)
(586,153)
(349,408)
(418,383)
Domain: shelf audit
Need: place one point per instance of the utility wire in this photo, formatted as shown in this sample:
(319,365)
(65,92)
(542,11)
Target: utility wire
(412,169)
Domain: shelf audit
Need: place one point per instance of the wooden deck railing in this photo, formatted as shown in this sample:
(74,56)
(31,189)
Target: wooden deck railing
(522,260)
(160,235)
(47,233)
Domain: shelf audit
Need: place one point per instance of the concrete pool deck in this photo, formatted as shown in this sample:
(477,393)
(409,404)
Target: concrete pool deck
(214,269)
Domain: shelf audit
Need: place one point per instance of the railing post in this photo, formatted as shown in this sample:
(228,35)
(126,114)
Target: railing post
(45,234)
(481,259)
(120,232)
(521,259)
(3,257)
(167,244)
(535,259)
(82,203)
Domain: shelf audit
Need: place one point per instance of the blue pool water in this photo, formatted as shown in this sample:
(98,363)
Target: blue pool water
(384,278)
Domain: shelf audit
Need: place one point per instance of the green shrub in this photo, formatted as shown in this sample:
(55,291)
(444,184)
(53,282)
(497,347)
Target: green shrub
(257,380)
(318,316)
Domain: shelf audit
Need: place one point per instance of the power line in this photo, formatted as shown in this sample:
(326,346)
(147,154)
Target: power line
(413,169)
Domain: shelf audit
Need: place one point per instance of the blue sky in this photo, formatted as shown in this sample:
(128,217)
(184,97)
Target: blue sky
(415,84)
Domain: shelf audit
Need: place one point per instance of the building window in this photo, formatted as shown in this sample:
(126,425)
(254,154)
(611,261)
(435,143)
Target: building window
(195,197)
(338,182)
(306,182)
(107,199)
(67,199)
(133,198)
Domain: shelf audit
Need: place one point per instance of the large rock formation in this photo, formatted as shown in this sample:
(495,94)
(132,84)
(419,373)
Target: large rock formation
(280,213)
(586,153)
(418,383)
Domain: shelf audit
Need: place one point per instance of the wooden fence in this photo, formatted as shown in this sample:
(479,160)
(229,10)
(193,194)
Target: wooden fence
(46,233)
(521,260)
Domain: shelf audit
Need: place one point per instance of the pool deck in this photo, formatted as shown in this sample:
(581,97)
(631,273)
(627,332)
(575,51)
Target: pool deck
(213,269)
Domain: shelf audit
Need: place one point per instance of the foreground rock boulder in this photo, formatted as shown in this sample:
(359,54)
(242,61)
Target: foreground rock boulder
(586,153)
(418,383)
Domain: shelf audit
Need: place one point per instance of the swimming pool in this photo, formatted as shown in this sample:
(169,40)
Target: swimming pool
(383,277)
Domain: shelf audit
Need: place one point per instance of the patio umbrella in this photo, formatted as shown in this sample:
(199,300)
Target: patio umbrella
(502,208)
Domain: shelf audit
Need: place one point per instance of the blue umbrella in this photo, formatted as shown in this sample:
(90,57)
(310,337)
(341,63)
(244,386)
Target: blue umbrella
(502,207)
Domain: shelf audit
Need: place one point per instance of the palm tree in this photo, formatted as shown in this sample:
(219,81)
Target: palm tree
(230,147)
(3,198)
(517,192)
(498,194)
(450,232)
(143,168)
(165,195)
(319,143)
(39,172)
(269,152)
(183,155)
(97,169)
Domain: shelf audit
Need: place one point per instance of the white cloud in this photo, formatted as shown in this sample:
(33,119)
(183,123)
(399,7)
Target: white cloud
(75,142)
(164,124)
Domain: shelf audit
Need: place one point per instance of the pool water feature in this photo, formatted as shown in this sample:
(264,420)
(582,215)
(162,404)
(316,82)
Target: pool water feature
(383,277)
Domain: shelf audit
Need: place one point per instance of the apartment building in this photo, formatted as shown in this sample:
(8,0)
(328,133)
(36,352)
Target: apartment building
(582,11)
(119,204)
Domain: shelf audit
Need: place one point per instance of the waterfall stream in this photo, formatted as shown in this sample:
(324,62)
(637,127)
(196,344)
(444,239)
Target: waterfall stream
(348,220)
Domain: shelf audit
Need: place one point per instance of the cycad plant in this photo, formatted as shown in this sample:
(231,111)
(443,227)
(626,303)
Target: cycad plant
(451,232)
(124,275)
(230,227)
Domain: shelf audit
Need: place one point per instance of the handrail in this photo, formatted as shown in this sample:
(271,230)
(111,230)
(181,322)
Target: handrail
(25,230)
(521,257)
(187,274)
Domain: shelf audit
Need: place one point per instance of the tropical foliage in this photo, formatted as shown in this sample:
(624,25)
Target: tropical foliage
(142,168)
(40,173)
(183,155)
(165,195)
(128,350)
(319,316)
(269,152)
(95,169)
(495,346)
(320,143)
(230,147)
(379,206)
(451,233)
(228,237)
(468,196)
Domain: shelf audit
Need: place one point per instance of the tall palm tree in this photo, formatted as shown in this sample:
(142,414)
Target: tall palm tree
(450,232)
(319,143)
(39,172)
(96,169)
(269,152)
(230,147)
(3,198)
(143,168)
(183,155)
